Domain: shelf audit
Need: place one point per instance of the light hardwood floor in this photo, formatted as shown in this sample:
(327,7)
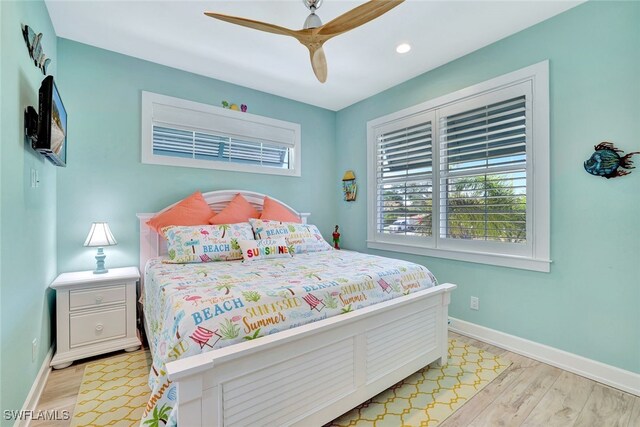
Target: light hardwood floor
(527,394)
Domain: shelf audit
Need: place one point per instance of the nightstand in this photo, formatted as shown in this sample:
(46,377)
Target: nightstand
(96,314)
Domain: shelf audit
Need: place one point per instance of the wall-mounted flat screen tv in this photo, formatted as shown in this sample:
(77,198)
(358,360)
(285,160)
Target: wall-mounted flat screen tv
(52,124)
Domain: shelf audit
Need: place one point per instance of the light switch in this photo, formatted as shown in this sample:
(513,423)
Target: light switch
(35,178)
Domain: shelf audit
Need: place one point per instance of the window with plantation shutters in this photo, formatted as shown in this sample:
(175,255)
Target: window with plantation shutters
(178,132)
(483,175)
(454,177)
(204,146)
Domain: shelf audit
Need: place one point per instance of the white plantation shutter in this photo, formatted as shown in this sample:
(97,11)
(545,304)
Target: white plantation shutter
(260,153)
(483,172)
(182,143)
(404,175)
(178,132)
(204,146)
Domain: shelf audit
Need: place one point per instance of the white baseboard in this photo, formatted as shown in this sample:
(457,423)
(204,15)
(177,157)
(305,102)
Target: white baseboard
(610,375)
(31,402)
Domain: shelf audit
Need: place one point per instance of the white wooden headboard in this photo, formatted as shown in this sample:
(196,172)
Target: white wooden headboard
(152,245)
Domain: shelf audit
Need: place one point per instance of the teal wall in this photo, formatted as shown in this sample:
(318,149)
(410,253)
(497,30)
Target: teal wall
(1,138)
(105,180)
(585,305)
(588,303)
(27,215)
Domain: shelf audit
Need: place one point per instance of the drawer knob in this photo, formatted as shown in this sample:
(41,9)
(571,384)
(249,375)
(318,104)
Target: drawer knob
(99,298)
(99,327)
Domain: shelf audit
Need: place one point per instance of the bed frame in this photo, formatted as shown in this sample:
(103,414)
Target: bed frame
(309,375)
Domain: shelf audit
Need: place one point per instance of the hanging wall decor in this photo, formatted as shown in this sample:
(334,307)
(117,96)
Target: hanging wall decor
(34,45)
(607,163)
(349,186)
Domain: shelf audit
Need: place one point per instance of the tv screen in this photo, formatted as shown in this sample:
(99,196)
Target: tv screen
(52,124)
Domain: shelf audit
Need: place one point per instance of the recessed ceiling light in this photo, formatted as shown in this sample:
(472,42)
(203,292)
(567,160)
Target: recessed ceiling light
(403,48)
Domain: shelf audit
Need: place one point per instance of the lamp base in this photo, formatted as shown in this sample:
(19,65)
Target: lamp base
(100,256)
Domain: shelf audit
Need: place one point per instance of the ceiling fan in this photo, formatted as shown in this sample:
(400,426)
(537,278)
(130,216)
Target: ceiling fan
(314,34)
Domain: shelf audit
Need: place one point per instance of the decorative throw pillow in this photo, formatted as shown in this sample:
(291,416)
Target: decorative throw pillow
(206,242)
(238,210)
(193,210)
(264,249)
(303,237)
(274,211)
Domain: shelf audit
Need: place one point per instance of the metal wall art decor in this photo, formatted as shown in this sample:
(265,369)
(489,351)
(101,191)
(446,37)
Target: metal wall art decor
(607,163)
(34,45)
(349,186)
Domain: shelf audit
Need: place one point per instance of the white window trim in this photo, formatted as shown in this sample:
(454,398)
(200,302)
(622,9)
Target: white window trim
(204,115)
(538,175)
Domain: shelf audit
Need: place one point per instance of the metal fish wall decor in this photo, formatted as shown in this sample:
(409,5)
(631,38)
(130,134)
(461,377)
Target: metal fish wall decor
(607,162)
(33,40)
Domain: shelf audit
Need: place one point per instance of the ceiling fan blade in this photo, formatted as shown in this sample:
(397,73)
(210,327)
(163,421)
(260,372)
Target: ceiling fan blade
(357,17)
(319,64)
(256,25)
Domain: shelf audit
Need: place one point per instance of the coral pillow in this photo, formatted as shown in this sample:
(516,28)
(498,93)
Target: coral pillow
(274,211)
(193,210)
(238,210)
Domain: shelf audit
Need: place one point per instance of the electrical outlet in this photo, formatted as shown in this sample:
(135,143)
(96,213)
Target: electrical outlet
(34,349)
(35,178)
(475,303)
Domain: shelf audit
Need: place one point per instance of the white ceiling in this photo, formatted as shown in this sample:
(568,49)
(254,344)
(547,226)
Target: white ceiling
(361,63)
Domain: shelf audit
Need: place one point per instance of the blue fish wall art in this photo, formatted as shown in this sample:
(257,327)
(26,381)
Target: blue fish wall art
(607,162)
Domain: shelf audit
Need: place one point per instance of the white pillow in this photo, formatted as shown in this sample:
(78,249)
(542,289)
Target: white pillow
(303,237)
(264,249)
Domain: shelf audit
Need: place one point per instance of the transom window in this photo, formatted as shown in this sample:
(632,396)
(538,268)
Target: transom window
(177,132)
(454,177)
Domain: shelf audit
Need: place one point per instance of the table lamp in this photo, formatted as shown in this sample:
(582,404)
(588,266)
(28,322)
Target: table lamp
(100,236)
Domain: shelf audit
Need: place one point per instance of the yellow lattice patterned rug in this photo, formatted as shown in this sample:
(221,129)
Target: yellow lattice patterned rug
(114,392)
(430,395)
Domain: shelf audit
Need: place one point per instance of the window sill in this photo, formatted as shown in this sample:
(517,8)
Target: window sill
(152,159)
(501,260)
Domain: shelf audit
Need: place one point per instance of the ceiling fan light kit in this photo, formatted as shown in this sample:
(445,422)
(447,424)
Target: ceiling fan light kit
(313,20)
(314,34)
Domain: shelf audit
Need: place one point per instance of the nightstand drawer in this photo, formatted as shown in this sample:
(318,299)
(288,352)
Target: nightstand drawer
(95,297)
(88,328)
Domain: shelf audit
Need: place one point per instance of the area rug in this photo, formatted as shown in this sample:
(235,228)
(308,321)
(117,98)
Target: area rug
(113,391)
(429,396)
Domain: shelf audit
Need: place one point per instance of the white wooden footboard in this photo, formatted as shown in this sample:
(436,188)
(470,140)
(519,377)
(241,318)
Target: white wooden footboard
(309,375)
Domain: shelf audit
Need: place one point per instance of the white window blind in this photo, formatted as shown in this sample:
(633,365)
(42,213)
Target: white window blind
(404,180)
(178,132)
(204,146)
(483,174)
(453,177)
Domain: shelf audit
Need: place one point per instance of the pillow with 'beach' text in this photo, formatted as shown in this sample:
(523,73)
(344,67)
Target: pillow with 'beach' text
(205,243)
(303,237)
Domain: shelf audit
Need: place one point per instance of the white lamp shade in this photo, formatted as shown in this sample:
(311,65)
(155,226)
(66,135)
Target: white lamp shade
(100,235)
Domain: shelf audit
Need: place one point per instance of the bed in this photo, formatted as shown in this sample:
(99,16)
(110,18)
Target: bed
(348,325)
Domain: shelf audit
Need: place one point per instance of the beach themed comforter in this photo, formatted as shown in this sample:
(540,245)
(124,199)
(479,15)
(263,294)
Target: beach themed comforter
(195,308)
